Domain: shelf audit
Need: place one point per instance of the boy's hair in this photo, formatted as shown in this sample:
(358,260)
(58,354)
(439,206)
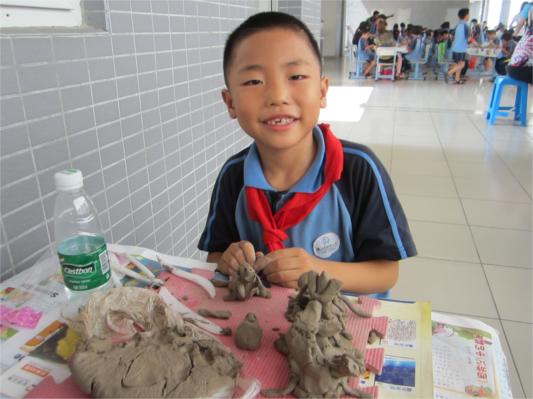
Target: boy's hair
(507,36)
(364,27)
(463,12)
(261,22)
(402,25)
(445,25)
(375,13)
(474,21)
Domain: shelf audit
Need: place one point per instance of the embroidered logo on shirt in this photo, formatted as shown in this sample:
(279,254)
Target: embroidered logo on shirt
(326,245)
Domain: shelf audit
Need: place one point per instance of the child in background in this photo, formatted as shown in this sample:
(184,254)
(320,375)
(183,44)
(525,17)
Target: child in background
(299,195)
(415,44)
(396,32)
(508,46)
(459,47)
(491,42)
(365,49)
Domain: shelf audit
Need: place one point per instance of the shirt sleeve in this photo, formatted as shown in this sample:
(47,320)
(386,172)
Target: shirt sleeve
(221,230)
(525,11)
(380,228)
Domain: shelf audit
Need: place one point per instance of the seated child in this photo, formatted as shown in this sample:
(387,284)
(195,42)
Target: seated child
(298,198)
(365,48)
(508,46)
(491,42)
(415,44)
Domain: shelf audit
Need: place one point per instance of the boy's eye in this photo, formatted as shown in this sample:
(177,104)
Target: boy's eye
(252,82)
(297,77)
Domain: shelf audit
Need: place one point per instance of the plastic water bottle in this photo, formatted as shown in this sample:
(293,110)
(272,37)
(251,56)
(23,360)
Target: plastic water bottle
(80,243)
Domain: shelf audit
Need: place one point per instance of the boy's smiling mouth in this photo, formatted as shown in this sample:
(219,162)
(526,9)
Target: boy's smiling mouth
(280,120)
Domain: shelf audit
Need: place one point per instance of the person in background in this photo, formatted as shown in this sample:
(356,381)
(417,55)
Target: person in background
(520,20)
(384,38)
(491,42)
(483,32)
(372,20)
(366,49)
(475,32)
(459,47)
(444,45)
(521,65)
(402,30)
(396,32)
(415,44)
(500,30)
(507,50)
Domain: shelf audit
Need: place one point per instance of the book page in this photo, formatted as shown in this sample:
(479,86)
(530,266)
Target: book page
(407,368)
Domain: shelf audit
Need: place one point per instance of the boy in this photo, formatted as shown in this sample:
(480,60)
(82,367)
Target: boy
(459,47)
(298,194)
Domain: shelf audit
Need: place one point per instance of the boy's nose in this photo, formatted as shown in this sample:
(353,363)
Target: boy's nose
(277,94)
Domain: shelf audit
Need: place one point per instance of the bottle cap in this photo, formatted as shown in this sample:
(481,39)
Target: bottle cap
(68,179)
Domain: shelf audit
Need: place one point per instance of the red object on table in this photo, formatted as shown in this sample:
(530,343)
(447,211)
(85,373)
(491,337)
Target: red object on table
(266,363)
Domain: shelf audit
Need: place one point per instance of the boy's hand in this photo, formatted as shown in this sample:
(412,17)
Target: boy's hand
(236,254)
(285,266)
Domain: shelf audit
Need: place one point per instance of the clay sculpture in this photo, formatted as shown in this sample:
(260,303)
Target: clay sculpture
(133,345)
(245,284)
(249,334)
(319,348)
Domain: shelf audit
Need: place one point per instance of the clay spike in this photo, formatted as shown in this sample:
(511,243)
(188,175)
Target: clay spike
(358,311)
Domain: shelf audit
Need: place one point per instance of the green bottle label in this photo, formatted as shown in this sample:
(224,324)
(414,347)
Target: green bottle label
(84,262)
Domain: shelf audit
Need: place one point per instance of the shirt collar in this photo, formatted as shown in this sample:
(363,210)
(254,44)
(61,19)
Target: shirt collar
(309,183)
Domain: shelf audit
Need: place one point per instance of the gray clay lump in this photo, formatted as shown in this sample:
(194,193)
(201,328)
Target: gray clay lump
(321,356)
(249,333)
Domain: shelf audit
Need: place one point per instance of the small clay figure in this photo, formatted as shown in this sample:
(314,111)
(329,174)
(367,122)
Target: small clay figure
(245,284)
(216,314)
(319,348)
(249,334)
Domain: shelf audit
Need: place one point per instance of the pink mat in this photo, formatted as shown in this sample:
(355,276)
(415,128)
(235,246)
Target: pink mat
(265,364)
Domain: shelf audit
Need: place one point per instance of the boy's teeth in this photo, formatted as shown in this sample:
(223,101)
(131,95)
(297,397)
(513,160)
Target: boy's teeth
(280,121)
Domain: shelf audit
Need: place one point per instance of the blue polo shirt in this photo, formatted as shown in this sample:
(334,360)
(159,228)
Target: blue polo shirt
(460,37)
(359,219)
(525,11)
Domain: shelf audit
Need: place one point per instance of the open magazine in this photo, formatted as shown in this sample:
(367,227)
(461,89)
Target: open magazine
(407,366)
(426,354)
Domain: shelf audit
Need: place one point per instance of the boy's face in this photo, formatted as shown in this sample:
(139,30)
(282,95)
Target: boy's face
(275,89)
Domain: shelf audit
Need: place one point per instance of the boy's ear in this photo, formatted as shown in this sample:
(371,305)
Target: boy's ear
(226,97)
(324,86)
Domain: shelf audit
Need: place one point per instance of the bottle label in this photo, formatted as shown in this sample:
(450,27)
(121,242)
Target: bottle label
(85,271)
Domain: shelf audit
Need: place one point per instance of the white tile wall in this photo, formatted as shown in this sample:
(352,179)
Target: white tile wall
(136,107)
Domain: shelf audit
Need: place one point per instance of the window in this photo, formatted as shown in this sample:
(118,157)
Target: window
(27,13)
(494,13)
(514,9)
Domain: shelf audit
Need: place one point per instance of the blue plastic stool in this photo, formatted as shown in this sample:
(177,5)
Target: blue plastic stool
(520,104)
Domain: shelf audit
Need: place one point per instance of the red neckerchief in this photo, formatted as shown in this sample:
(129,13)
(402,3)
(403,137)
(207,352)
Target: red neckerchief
(301,204)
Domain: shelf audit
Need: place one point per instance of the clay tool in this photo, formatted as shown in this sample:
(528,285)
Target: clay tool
(195,278)
(121,269)
(190,315)
(145,270)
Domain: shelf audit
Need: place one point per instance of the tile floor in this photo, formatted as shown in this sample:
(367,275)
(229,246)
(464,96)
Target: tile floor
(467,191)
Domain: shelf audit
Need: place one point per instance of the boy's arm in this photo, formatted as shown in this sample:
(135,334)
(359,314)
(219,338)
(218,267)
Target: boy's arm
(364,277)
